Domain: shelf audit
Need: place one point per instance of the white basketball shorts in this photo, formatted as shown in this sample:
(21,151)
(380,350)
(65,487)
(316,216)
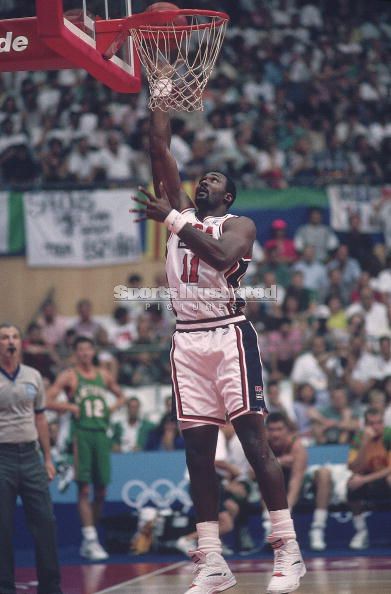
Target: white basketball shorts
(216,373)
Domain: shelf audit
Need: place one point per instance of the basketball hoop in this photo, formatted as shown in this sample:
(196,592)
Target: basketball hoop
(178,58)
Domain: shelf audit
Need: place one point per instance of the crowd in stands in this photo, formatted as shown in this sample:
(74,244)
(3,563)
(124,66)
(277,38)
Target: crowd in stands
(299,97)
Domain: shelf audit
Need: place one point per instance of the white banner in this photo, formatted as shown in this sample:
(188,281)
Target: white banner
(80,228)
(346,200)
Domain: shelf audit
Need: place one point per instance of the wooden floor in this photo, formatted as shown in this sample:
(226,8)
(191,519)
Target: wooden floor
(332,575)
(324,576)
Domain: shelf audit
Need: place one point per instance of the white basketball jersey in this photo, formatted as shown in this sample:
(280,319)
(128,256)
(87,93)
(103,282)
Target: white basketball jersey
(198,291)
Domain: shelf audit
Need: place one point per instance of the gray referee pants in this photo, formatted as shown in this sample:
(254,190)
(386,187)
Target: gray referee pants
(22,473)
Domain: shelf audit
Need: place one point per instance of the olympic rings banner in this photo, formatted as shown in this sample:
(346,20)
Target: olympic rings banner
(160,479)
(138,479)
(80,228)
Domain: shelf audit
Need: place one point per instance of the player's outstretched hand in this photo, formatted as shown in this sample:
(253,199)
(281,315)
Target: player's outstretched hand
(154,208)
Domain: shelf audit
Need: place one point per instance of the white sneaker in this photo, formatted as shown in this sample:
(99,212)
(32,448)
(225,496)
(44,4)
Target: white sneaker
(317,541)
(212,574)
(360,540)
(185,545)
(92,550)
(288,567)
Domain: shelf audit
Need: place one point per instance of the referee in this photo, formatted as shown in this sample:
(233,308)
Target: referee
(22,422)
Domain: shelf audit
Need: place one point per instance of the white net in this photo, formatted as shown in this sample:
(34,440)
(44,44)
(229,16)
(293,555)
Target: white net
(179,61)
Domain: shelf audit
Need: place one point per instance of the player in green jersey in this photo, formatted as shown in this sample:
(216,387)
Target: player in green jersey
(86,388)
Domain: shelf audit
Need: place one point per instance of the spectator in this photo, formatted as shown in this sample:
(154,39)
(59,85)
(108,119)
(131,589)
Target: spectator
(274,401)
(116,160)
(383,359)
(297,289)
(382,216)
(54,162)
(314,233)
(337,321)
(290,453)
(283,347)
(350,268)
(360,245)
(37,353)
(361,368)
(123,333)
(332,163)
(370,462)
(305,411)
(285,247)
(336,288)
(375,315)
(310,367)
(314,273)
(86,325)
(179,145)
(166,436)
(52,324)
(330,484)
(271,165)
(18,166)
(272,264)
(81,161)
(135,433)
(336,422)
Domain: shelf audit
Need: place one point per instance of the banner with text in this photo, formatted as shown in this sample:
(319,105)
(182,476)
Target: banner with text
(364,200)
(80,228)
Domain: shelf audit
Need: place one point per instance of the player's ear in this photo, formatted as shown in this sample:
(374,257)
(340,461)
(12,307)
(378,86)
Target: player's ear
(228,199)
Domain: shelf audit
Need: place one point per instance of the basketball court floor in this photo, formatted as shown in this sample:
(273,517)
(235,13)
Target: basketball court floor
(333,575)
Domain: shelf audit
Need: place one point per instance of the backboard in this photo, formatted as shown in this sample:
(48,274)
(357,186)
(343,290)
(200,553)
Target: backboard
(72,34)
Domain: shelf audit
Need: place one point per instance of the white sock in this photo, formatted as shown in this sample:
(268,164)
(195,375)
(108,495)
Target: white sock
(320,518)
(282,525)
(208,537)
(89,533)
(359,522)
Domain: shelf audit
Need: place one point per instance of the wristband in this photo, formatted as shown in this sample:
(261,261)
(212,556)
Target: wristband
(175,221)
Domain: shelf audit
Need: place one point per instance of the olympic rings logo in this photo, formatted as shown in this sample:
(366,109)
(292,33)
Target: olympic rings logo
(162,493)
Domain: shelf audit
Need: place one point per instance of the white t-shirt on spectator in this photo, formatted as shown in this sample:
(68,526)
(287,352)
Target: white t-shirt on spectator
(231,451)
(180,150)
(383,367)
(376,320)
(118,165)
(382,283)
(82,166)
(48,99)
(365,368)
(12,140)
(306,369)
(129,437)
(310,16)
(266,162)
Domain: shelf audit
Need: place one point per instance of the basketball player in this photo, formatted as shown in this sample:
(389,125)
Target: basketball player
(216,368)
(85,386)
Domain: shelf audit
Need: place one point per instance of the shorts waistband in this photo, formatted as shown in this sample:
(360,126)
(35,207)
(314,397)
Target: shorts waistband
(23,446)
(209,323)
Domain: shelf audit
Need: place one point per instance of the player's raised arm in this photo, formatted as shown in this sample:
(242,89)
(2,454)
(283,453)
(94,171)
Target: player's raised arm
(164,167)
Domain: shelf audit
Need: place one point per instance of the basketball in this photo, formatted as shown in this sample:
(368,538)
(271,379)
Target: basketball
(180,20)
